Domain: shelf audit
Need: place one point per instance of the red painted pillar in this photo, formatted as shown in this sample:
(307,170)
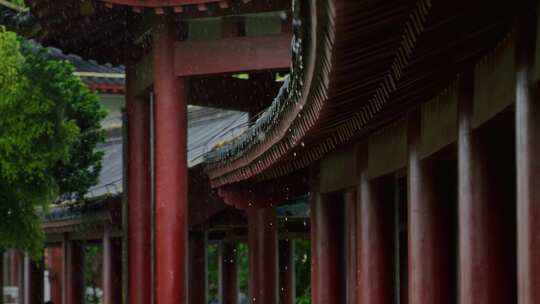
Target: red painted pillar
(3,272)
(112,269)
(33,281)
(73,291)
(198,269)
(375,240)
(263,255)
(287,287)
(228,273)
(14,262)
(430,215)
(528,162)
(170,169)
(486,226)
(139,210)
(54,264)
(327,258)
(350,244)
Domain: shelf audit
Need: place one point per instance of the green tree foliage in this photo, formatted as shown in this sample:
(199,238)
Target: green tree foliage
(80,171)
(19,3)
(47,117)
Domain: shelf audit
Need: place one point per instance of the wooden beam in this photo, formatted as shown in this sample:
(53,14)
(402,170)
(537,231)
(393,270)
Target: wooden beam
(230,55)
(158,3)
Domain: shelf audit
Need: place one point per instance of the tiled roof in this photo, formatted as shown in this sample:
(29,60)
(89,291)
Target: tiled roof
(207,127)
(99,77)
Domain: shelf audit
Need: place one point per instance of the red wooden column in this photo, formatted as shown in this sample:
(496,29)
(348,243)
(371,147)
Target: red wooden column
(3,271)
(73,291)
(139,210)
(528,163)
(430,223)
(327,285)
(486,273)
(54,264)
(228,273)
(198,269)
(33,281)
(170,169)
(350,245)
(14,266)
(287,286)
(375,240)
(263,255)
(112,269)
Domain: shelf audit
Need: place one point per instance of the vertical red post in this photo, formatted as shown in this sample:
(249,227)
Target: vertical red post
(33,281)
(73,289)
(112,269)
(139,210)
(350,244)
(287,287)
(430,222)
(3,271)
(528,161)
(198,268)
(263,255)
(228,273)
(375,240)
(54,264)
(486,270)
(170,169)
(328,278)
(14,262)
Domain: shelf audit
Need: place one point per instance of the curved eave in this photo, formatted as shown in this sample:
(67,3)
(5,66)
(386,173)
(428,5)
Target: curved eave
(448,34)
(304,118)
(163,3)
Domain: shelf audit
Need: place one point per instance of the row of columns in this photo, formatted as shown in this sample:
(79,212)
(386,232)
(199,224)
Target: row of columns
(271,275)
(65,265)
(157,170)
(472,218)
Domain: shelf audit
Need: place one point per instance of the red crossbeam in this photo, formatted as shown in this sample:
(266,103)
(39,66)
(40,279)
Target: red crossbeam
(229,55)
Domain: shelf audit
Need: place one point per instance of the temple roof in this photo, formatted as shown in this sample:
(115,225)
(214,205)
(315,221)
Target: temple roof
(357,66)
(103,78)
(207,127)
(115,31)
